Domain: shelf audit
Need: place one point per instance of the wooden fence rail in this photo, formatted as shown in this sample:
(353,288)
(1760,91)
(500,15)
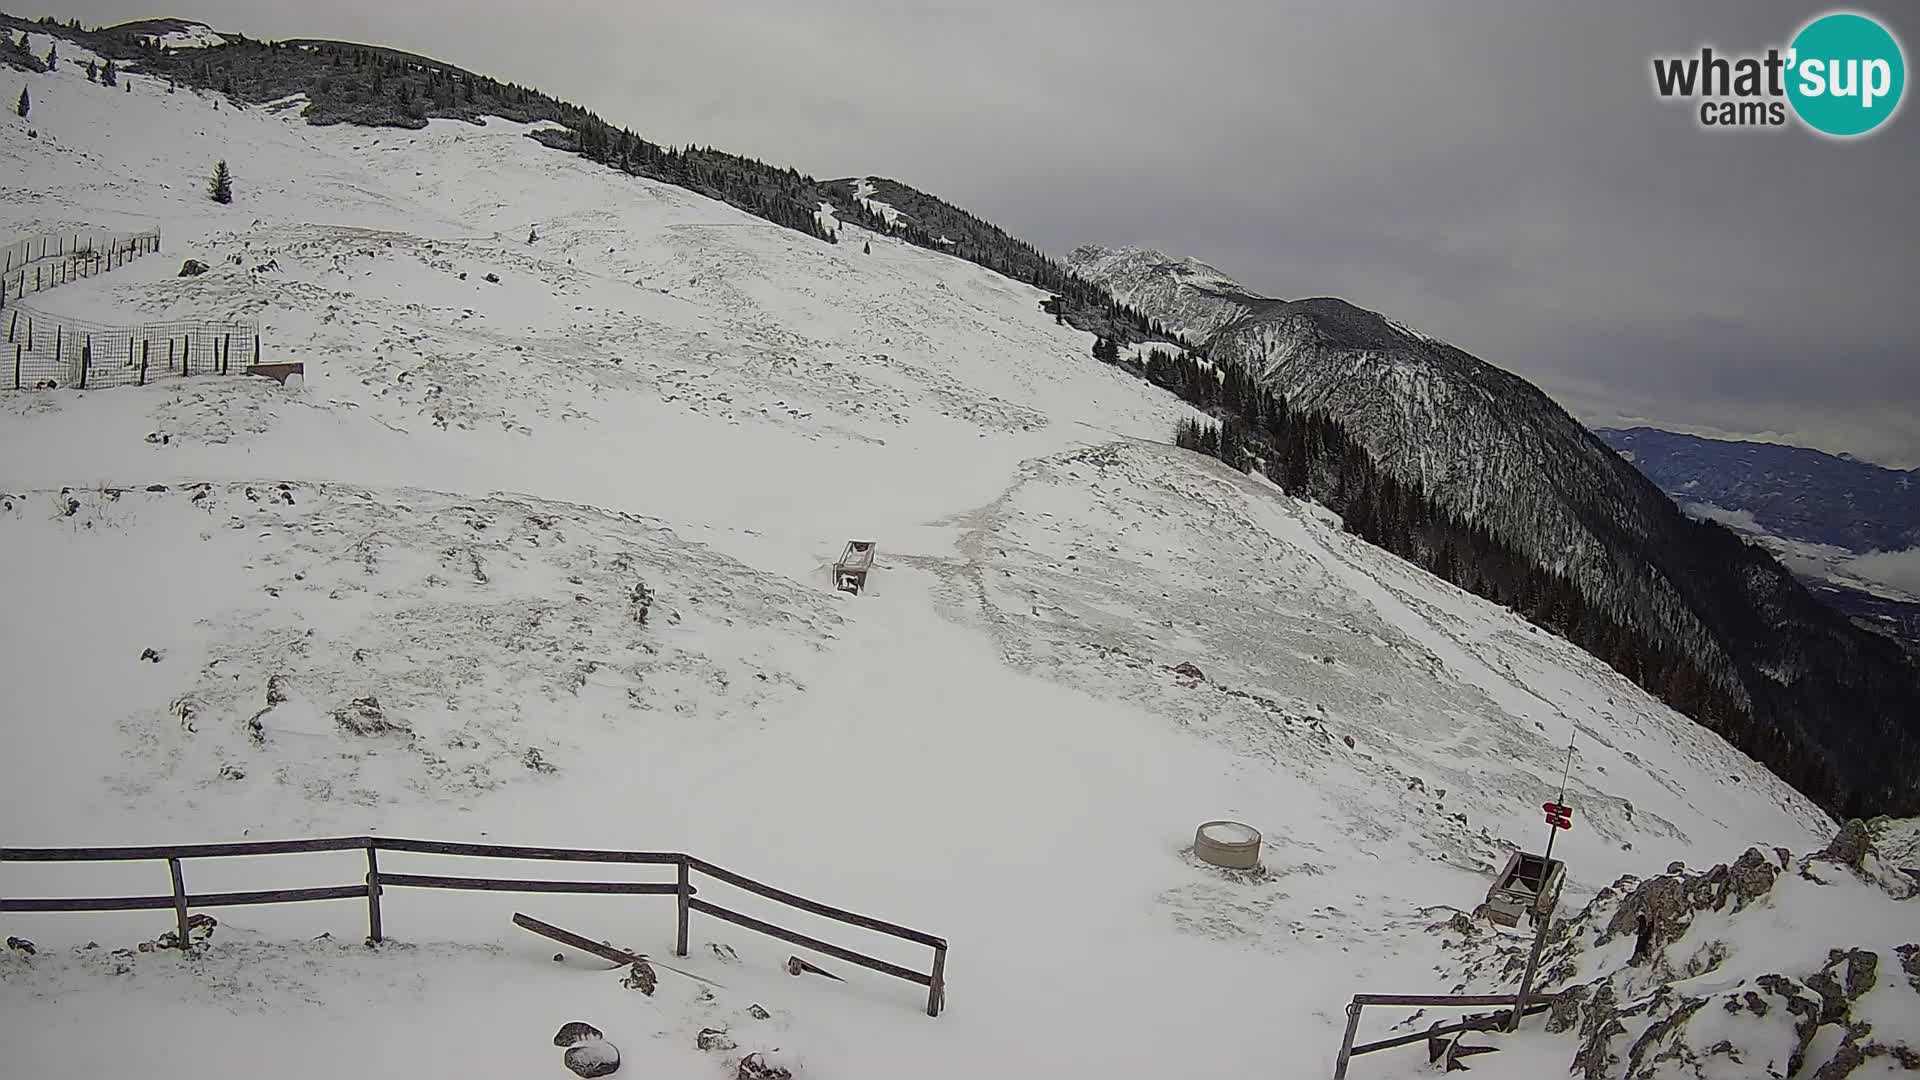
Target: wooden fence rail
(377,881)
(1349,1051)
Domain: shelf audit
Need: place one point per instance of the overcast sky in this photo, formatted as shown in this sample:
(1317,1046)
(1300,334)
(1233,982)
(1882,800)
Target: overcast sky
(1499,175)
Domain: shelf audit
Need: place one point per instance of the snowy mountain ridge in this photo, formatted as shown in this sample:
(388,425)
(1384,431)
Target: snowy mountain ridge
(538,553)
(1812,690)
(1188,296)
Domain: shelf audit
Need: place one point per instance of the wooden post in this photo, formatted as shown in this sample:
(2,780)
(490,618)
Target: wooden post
(1533,958)
(937,990)
(226,358)
(179,900)
(169,354)
(13,324)
(59,332)
(256,350)
(1346,1044)
(143,361)
(373,894)
(16,366)
(686,893)
(86,360)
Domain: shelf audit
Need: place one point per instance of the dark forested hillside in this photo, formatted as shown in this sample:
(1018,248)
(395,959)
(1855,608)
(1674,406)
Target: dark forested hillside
(1824,705)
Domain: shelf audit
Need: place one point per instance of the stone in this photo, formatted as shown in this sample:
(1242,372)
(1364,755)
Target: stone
(641,977)
(594,1057)
(574,1031)
(193,268)
(151,656)
(1850,846)
(1189,670)
(758,1013)
(1910,963)
(714,1039)
(755,1067)
(364,716)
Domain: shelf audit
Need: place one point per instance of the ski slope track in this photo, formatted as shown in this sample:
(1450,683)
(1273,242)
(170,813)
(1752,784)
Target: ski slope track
(571,531)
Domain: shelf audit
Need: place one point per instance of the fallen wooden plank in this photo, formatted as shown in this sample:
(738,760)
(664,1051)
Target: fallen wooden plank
(600,949)
(795,966)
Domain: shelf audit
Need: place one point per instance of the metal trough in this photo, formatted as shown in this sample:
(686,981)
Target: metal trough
(1527,888)
(850,572)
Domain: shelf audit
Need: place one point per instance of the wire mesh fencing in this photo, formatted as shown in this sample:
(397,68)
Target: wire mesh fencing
(38,263)
(51,352)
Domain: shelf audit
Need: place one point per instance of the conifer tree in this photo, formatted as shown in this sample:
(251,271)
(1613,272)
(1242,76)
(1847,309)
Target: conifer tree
(25,104)
(53,56)
(93,71)
(221,187)
(109,75)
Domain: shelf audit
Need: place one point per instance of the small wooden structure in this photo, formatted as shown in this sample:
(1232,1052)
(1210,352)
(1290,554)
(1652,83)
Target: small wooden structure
(278,372)
(850,573)
(1528,887)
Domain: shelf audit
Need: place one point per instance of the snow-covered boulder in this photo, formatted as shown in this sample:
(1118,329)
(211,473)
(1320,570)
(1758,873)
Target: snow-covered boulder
(593,1057)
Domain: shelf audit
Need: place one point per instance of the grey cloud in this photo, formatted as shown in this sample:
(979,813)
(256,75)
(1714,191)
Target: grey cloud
(1498,174)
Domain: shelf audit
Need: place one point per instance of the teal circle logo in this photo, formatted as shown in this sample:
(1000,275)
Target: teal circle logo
(1846,76)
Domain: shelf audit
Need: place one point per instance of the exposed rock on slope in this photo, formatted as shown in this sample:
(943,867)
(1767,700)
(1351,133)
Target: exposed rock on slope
(1768,966)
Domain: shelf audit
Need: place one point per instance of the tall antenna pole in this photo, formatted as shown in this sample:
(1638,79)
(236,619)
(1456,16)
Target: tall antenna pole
(1542,922)
(1553,831)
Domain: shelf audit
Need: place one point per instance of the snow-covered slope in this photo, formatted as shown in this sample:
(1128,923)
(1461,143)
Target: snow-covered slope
(1821,700)
(545,561)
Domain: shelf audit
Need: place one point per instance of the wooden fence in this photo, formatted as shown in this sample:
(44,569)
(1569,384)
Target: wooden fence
(1348,1051)
(50,352)
(39,263)
(682,888)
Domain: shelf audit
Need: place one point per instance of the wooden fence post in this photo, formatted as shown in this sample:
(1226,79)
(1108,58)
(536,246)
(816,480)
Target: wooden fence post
(937,990)
(686,892)
(1346,1044)
(16,365)
(373,894)
(179,900)
(59,334)
(256,350)
(86,360)
(226,361)
(143,361)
